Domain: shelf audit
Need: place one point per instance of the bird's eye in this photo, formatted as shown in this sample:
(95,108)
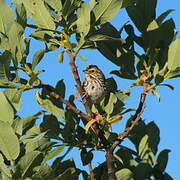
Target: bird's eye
(92,71)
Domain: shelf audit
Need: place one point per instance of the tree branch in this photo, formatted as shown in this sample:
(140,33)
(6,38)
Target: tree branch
(92,175)
(110,164)
(99,132)
(135,119)
(85,100)
(62,100)
(78,83)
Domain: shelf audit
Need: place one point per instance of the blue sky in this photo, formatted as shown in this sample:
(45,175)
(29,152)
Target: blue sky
(165,114)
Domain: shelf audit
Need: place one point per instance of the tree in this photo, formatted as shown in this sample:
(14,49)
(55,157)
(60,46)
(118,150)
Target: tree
(27,145)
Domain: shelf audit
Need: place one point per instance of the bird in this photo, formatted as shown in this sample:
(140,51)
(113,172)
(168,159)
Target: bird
(95,85)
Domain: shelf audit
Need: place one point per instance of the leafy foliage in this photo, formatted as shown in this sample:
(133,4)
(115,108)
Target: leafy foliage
(27,146)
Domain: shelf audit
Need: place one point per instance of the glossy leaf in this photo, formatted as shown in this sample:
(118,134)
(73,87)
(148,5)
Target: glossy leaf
(174,55)
(27,163)
(110,106)
(50,125)
(160,19)
(69,6)
(105,10)
(86,157)
(29,121)
(6,110)
(16,41)
(38,142)
(162,160)
(173,74)
(102,37)
(38,57)
(53,153)
(83,21)
(154,136)
(43,172)
(5,58)
(50,107)
(55,4)
(6,17)
(3,167)
(142,13)
(143,145)
(124,174)
(9,144)
(21,15)
(14,97)
(142,171)
(39,13)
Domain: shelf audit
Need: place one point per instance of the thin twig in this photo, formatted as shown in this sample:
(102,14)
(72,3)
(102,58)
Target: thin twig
(62,100)
(92,175)
(41,28)
(135,119)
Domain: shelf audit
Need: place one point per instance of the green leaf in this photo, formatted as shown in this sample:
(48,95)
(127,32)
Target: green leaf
(167,85)
(61,88)
(14,97)
(55,4)
(17,125)
(39,13)
(21,15)
(29,121)
(3,167)
(16,42)
(43,172)
(105,10)
(9,144)
(124,74)
(6,17)
(152,26)
(142,171)
(143,145)
(83,19)
(69,6)
(27,163)
(142,13)
(173,74)
(124,174)
(154,136)
(69,173)
(174,55)
(110,106)
(50,107)
(38,142)
(102,37)
(37,57)
(6,110)
(50,125)
(5,59)
(53,153)
(161,18)
(86,157)
(162,160)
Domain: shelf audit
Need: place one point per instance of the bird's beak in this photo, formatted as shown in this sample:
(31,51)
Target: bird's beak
(85,71)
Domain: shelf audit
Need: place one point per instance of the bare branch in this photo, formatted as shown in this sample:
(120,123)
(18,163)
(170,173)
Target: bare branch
(92,175)
(78,83)
(110,164)
(62,100)
(86,102)
(135,119)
